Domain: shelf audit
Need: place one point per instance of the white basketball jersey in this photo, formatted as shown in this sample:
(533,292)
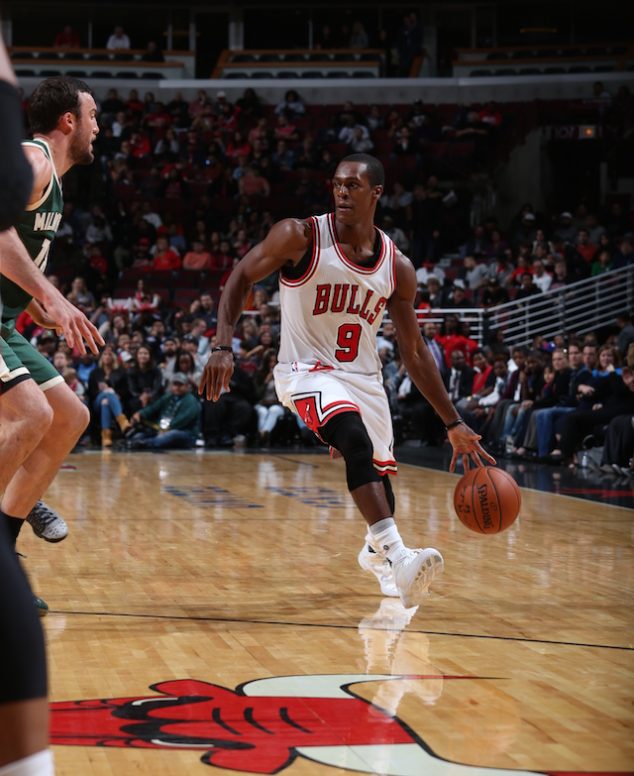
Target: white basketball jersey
(330,315)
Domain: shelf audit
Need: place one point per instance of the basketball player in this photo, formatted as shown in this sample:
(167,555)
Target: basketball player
(338,274)
(23,683)
(50,416)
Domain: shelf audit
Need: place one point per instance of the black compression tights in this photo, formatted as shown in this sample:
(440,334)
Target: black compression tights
(22,657)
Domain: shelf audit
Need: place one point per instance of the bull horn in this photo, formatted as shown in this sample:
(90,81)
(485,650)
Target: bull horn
(318,686)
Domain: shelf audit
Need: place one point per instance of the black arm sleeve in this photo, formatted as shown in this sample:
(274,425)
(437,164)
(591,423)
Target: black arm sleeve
(16,177)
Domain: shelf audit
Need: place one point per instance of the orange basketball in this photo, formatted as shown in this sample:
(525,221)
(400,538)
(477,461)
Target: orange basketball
(487,500)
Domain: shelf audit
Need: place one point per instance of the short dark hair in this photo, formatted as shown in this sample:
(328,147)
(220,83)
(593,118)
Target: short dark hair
(374,168)
(51,99)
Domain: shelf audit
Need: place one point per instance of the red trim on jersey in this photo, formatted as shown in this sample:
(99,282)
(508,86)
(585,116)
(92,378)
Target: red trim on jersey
(319,367)
(346,261)
(393,256)
(314,259)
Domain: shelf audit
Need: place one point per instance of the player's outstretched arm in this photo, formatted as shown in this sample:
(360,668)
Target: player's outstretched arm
(17,265)
(422,368)
(286,243)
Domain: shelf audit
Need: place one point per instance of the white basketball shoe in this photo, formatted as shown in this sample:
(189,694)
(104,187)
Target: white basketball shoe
(414,572)
(374,563)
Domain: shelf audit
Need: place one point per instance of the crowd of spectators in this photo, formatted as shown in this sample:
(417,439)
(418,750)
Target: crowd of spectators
(185,188)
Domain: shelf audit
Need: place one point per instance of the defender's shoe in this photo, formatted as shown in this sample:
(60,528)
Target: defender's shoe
(376,564)
(40,605)
(414,572)
(46,523)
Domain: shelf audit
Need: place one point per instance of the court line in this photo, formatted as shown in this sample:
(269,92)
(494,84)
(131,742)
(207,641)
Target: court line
(249,621)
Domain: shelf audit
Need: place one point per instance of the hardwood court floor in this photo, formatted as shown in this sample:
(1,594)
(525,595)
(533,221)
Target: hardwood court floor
(222,569)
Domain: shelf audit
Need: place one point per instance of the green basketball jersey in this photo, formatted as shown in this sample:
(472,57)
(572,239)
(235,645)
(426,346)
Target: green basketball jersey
(36,228)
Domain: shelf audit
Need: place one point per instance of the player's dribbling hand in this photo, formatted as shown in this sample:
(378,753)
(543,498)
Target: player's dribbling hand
(216,375)
(466,443)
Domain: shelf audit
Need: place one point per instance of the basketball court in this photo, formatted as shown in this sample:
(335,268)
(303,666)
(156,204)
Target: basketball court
(208,616)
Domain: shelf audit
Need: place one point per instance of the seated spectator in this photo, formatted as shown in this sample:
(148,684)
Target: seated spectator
(527,287)
(144,381)
(404,143)
(232,418)
(104,384)
(429,272)
(541,278)
(459,380)
(618,446)
(81,296)
(74,383)
(493,294)
(165,257)
(252,184)
(397,235)
(560,275)
(613,397)
(268,406)
(601,264)
(172,422)
(67,38)
(479,410)
(358,36)
(118,40)
(186,363)
(474,275)
(483,381)
(540,241)
(565,232)
(584,248)
(624,255)
(198,258)
(152,53)
(531,383)
(457,298)
(283,157)
(356,136)
(555,392)
(285,129)
(292,104)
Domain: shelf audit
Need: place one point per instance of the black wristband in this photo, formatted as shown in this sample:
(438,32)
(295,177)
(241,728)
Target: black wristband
(222,349)
(455,423)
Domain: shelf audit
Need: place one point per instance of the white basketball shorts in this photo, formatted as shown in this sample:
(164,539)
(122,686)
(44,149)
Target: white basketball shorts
(316,394)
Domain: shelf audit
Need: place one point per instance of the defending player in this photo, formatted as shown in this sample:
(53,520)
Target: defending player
(338,274)
(23,682)
(33,394)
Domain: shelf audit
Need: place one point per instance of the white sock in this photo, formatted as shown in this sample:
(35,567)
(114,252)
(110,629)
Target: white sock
(39,764)
(386,539)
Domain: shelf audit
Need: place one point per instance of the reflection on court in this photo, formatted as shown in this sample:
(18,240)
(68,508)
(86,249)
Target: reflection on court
(209,609)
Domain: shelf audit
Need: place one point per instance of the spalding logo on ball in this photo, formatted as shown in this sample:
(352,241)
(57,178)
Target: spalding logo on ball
(487,500)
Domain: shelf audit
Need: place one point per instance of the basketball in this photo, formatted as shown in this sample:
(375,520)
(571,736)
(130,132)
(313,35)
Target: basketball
(487,500)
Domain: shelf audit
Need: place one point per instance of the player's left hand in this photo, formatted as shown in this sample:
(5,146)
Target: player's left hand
(466,443)
(216,375)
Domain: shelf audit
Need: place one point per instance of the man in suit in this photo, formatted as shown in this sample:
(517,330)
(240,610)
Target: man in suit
(459,380)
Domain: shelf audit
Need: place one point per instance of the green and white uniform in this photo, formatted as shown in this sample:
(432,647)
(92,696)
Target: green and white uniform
(37,226)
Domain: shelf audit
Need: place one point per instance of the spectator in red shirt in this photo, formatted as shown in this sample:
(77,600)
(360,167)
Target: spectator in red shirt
(222,259)
(140,145)
(198,258)
(165,257)
(584,247)
(252,184)
(67,38)
(284,129)
(134,104)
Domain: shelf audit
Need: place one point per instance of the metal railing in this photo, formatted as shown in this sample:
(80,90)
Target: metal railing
(578,308)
